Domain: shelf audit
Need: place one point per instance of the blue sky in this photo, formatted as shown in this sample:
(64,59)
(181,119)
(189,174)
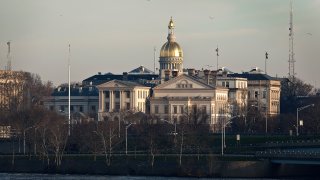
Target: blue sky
(117,36)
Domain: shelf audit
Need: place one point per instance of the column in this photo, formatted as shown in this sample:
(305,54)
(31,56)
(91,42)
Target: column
(103,103)
(120,99)
(110,101)
(100,97)
(131,99)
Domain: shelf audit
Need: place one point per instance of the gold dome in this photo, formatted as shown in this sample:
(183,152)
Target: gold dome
(171,49)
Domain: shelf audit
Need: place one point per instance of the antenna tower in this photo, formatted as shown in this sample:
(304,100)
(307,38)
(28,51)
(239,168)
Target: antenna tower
(291,52)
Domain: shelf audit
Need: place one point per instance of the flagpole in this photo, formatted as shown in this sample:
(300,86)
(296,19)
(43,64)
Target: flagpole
(217,50)
(265,63)
(69,98)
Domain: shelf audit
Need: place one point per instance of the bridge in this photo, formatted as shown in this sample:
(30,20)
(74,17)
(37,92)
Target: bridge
(292,152)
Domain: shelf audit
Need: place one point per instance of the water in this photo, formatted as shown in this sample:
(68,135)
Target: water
(27,176)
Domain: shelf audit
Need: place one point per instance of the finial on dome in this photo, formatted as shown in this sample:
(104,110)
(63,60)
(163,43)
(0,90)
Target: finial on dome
(171,24)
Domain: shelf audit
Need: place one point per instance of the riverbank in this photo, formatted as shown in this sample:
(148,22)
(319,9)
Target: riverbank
(191,166)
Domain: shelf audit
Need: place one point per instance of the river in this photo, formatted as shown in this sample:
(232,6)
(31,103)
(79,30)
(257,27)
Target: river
(27,176)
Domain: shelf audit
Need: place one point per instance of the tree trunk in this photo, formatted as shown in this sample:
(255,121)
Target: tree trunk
(181,146)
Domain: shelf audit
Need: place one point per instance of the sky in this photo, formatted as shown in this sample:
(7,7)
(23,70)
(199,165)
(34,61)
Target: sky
(119,35)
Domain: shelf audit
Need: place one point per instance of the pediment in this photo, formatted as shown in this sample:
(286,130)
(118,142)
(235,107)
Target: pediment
(184,82)
(112,84)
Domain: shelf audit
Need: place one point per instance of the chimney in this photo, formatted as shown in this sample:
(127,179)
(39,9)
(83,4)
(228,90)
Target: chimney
(166,74)
(125,76)
(214,75)
(191,72)
(206,75)
(174,74)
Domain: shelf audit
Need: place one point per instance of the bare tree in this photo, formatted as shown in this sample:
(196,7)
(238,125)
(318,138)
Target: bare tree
(57,137)
(107,132)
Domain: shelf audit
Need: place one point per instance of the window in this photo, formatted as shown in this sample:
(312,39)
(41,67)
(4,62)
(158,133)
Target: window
(181,109)
(175,109)
(117,94)
(80,109)
(223,83)
(107,93)
(71,108)
(256,93)
(107,106)
(128,94)
(156,109)
(128,106)
(227,84)
(204,109)
(51,108)
(93,108)
(117,107)
(166,109)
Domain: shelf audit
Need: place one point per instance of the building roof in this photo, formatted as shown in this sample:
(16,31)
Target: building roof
(102,78)
(141,70)
(253,77)
(76,91)
(128,83)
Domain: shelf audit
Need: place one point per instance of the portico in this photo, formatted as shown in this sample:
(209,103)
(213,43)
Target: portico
(117,96)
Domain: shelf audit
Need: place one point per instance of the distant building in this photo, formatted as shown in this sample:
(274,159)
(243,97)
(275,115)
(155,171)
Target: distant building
(187,99)
(263,91)
(84,101)
(14,96)
(238,93)
(13,90)
(117,96)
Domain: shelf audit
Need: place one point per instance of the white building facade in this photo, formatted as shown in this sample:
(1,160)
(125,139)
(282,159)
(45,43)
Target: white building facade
(187,99)
(118,96)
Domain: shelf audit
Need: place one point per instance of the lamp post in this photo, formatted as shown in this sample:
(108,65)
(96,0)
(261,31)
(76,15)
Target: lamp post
(175,128)
(127,137)
(299,109)
(223,133)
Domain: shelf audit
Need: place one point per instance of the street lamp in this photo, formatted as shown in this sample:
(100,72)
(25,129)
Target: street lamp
(299,109)
(127,137)
(175,126)
(223,133)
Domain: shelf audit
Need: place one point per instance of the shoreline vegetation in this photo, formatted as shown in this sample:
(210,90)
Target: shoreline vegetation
(163,165)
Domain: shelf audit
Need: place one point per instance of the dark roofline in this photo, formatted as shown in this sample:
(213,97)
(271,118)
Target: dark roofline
(253,77)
